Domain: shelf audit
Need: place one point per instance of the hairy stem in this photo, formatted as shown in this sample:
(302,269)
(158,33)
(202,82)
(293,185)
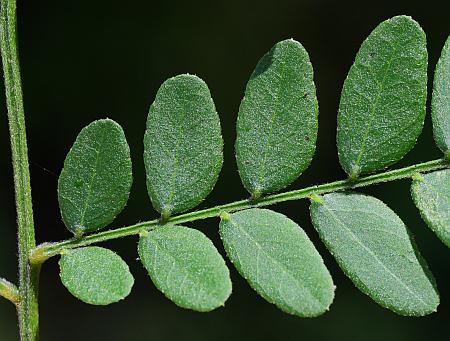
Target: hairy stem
(28,274)
(46,250)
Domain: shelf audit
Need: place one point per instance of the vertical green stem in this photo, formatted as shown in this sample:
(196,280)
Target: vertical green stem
(28,275)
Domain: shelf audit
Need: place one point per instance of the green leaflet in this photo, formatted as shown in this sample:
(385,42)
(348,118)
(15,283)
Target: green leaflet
(95,275)
(431,194)
(182,145)
(373,247)
(278,260)
(277,122)
(95,183)
(9,291)
(440,103)
(184,264)
(383,99)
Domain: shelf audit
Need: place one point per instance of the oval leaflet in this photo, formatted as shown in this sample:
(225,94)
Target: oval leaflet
(95,275)
(277,122)
(182,145)
(440,103)
(382,107)
(431,194)
(184,264)
(372,246)
(94,185)
(278,260)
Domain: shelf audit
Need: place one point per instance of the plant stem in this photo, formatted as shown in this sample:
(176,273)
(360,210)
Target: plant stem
(28,274)
(47,250)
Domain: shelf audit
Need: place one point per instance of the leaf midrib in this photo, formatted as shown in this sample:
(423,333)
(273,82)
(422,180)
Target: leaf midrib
(274,116)
(171,195)
(374,107)
(90,183)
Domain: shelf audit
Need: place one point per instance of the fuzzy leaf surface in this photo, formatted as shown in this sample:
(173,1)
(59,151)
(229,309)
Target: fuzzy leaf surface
(182,145)
(94,185)
(440,103)
(185,265)
(277,122)
(95,275)
(372,246)
(383,99)
(278,260)
(431,194)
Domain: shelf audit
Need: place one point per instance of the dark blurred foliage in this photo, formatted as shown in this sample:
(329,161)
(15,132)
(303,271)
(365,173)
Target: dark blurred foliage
(84,60)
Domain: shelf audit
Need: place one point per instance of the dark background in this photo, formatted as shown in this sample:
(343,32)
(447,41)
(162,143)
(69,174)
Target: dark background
(84,60)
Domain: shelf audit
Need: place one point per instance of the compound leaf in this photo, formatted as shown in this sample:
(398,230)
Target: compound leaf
(373,247)
(95,275)
(182,145)
(95,183)
(184,264)
(431,194)
(277,121)
(278,260)
(382,106)
(440,103)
